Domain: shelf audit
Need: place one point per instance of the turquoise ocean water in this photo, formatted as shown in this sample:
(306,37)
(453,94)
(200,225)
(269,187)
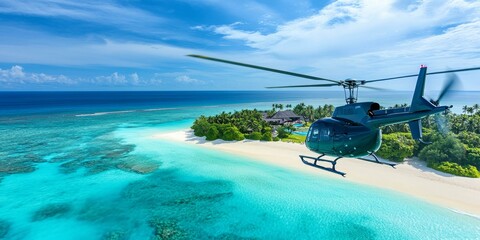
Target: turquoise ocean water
(85,166)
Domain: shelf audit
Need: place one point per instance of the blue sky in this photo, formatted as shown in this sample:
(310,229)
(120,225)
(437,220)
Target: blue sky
(141,45)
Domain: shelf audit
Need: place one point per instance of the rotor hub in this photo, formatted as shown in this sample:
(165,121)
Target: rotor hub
(350,88)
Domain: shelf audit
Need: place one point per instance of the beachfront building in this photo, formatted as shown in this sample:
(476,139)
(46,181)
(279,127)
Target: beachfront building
(283,117)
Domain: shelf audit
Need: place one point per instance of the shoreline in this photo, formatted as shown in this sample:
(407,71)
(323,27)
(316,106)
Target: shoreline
(459,194)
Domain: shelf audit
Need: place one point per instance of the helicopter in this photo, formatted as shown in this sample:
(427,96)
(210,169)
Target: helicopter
(354,130)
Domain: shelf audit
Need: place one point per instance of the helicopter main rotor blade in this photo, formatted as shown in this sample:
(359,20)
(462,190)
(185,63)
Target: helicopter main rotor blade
(374,88)
(455,70)
(262,68)
(432,73)
(385,79)
(313,85)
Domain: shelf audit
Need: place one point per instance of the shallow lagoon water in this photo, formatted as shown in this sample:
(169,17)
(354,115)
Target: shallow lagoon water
(271,202)
(84,175)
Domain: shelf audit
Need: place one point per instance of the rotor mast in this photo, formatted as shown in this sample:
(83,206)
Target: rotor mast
(350,88)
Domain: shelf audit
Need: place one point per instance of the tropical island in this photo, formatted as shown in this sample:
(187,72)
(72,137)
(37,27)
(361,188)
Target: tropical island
(455,138)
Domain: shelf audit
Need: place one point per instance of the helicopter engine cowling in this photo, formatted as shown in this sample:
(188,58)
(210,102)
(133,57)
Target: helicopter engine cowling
(341,138)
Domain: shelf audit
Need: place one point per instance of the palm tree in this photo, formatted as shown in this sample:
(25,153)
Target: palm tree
(309,113)
(476,107)
(299,108)
(470,110)
(330,109)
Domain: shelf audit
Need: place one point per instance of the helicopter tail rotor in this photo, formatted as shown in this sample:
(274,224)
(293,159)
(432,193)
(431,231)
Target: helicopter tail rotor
(441,118)
(452,81)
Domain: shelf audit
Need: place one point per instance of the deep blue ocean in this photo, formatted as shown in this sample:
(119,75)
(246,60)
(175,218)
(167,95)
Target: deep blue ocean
(84,165)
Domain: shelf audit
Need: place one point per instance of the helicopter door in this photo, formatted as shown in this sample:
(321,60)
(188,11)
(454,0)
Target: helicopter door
(325,139)
(339,138)
(312,138)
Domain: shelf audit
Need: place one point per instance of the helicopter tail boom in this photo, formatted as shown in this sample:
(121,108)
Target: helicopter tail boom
(419,103)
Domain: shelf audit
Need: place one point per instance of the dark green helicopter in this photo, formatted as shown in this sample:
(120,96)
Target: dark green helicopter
(354,129)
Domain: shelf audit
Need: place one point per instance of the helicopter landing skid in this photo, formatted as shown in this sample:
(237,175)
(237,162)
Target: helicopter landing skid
(319,158)
(378,161)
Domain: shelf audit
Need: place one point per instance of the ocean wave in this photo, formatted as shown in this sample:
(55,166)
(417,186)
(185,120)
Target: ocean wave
(123,111)
(465,213)
(103,113)
(158,109)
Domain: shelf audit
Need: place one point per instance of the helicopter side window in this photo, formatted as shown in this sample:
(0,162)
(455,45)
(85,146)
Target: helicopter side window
(324,134)
(314,134)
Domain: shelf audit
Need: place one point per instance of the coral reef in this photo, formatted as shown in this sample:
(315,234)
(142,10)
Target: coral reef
(4,228)
(51,210)
(167,229)
(115,235)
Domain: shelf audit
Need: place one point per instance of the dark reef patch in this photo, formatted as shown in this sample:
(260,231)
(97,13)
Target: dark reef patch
(167,229)
(22,163)
(4,228)
(101,155)
(71,141)
(102,211)
(115,235)
(138,164)
(174,208)
(107,154)
(178,208)
(231,236)
(51,210)
(165,191)
(351,230)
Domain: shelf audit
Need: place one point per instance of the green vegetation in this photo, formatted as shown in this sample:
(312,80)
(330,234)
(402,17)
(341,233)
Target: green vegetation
(254,136)
(294,139)
(249,124)
(454,168)
(396,146)
(283,133)
(233,126)
(457,152)
(310,113)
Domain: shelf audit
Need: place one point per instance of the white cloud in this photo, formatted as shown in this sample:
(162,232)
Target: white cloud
(113,79)
(187,79)
(16,75)
(348,27)
(347,38)
(117,79)
(368,39)
(135,78)
(15,72)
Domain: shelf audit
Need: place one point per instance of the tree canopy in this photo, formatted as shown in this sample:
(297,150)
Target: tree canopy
(455,141)
(232,126)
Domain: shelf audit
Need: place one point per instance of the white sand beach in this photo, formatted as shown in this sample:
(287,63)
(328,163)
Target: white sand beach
(411,177)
